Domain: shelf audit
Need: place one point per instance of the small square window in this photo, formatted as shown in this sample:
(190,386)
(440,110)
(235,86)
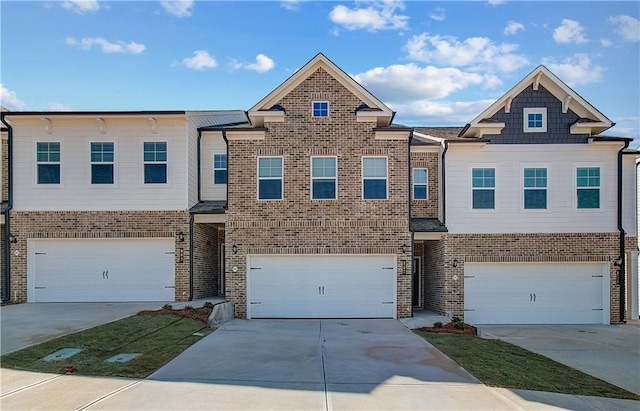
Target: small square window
(535,120)
(320,109)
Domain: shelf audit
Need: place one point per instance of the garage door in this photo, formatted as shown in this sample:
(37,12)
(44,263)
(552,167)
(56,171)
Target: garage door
(321,286)
(535,293)
(101,270)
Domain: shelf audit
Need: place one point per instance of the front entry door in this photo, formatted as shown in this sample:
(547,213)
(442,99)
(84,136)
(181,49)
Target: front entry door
(416,282)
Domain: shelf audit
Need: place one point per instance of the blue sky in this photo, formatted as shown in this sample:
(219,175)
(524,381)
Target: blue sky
(434,63)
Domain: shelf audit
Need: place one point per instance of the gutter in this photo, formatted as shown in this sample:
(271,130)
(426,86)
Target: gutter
(622,268)
(7,228)
(443,184)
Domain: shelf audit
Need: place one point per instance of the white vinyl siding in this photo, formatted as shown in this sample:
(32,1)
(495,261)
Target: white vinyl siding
(560,161)
(211,144)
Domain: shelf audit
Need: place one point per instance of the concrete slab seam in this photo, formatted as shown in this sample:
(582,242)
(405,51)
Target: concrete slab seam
(110,394)
(321,340)
(504,398)
(26,387)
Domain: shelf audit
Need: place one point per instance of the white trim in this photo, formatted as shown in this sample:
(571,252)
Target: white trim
(386,178)
(413,183)
(428,235)
(525,119)
(246,134)
(392,135)
(209,218)
(258,178)
(312,178)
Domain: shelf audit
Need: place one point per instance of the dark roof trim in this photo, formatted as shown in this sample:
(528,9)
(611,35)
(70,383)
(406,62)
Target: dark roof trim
(426,225)
(470,140)
(230,127)
(605,138)
(209,207)
(93,113)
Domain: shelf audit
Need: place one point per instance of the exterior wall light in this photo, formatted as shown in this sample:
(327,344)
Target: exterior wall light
(617,262)
(403,247)
(12,239)
(180,237)
(455,262)
(234,249)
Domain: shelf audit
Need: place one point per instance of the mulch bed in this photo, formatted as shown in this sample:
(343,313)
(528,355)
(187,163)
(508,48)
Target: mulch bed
(199,314)
(450,328)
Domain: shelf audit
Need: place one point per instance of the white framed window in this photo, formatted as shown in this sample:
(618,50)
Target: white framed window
(48,163)
(534,181)
(374,178)
(324,178)
(102,159)
(155,162)
(320,109)
(483,188)
(270,178)
(588,187)
(420,184)
(219,169)
(535,120)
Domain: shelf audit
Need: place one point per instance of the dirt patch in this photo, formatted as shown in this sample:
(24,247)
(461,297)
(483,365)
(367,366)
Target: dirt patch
(199,314)
(453,327)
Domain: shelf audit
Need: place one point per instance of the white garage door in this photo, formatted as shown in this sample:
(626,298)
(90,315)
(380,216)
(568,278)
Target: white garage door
(87,270)
(536,293)
(332,286)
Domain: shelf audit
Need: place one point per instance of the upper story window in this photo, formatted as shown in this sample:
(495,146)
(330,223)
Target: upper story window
(374,178)
(535,188)
(323,178)
(320,109)
(48,163)
(155,162)
(270,178)
(535,120)
(219,169)
(102,162)
(420,186)
(588,187)
(483,188)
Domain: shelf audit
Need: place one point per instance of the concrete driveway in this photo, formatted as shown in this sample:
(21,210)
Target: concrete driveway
(608,352)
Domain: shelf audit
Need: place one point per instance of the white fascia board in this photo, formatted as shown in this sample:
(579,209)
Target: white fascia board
(209,218)
(427,138)
(235,135)
(428,236)
(392,134)
(590,128)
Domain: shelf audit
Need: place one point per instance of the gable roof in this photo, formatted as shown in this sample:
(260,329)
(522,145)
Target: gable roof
(591,120)
(374,107)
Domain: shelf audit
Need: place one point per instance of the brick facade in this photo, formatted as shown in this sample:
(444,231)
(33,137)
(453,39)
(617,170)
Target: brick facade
(5,169)
(205,260)
(299,225)
(428,207)
(105,224)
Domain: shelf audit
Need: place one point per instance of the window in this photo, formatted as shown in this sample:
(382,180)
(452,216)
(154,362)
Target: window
(588,187)
(535,120)
(102,160)
(320,109)
(323,178)
(374,178)
(155,163)
(484,188)
(420,189)
(535,188)
(48,163)
(270,178)
(219,169)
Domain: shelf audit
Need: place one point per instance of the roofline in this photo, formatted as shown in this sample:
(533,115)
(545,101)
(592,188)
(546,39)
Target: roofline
(95,113)
(470,140)
(605,138)
(226,127)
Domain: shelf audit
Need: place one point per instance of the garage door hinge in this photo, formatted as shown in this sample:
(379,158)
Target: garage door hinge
(256,302)
(599,276)
(597,309)
(387,302)
(469,276)
(170,252)
(255,268)
(170,286)
(41,253)
(387,268)
(469,309)
(40,288)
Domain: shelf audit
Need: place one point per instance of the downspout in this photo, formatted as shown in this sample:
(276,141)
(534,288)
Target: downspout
(226,142)
(198,162)
(444,184)
(410,196)
(622,268)
(6,296)
(191,217)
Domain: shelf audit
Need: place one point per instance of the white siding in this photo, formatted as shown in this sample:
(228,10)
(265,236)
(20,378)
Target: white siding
(76,193)
(509,216)
(629,196)
(212,143)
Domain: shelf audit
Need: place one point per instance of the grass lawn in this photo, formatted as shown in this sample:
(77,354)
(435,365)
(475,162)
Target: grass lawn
(500,364)
(159,338)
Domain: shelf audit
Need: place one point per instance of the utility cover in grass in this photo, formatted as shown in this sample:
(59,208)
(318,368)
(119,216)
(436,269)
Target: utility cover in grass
(122,358)
(62,354)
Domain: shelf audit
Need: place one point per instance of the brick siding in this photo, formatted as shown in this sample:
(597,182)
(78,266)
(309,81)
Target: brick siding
(5,169)
(205,257)
(428,207)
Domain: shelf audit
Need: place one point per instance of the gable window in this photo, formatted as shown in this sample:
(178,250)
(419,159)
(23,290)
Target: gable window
(219,169)
(374,178)
(535,120)
(270,178)
(155,162)
(102,161)
(588,187)
(420,189)
(483,188)
(48,163)
(320,109)
(535,188)
(323,178)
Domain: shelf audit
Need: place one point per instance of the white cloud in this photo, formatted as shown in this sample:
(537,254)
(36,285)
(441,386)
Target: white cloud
(496,2)
(442,113)
(87,43)
(81,6)
(438,14)
(9,99)
(512,28)
(55,106)
(377,16)
(262,64)
(575,70)
(477,53)
(292,5)
(178,8)
(626,26)
(570,31)
(200,60)
(606,43)
(402,83)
